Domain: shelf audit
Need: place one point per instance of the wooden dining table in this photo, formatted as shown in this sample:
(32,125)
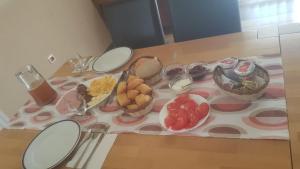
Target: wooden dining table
(136,151)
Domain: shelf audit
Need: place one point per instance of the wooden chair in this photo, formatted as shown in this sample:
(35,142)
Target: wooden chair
(193,19)
(134,23)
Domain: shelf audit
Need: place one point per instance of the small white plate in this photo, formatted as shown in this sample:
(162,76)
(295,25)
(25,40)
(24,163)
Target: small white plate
(52,145)
(164,113)
(112,59)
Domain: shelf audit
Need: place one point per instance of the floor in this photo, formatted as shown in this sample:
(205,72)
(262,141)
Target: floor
(257,14)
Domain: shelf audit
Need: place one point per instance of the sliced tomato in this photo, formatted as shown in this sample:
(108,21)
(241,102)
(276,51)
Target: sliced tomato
(203,109)
(182,99)
(198,114)
(174,114)
(185,113)
(193,120)
(172,107)
(169,121)
(181,121)
(190,105)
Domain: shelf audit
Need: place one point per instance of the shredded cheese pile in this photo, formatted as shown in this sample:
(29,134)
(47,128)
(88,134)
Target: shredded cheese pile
(101,86)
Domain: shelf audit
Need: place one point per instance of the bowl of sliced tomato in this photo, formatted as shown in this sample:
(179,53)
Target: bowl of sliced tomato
(184,113)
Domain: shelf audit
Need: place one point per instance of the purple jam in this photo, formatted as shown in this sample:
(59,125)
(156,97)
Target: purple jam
(174,72)
(197,72)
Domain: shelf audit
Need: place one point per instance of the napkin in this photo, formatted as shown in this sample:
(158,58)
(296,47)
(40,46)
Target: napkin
(99,155)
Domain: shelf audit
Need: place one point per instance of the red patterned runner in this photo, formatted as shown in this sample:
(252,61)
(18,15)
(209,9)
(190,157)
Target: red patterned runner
(265,118)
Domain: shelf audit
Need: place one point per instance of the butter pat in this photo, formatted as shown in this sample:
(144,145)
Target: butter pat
(181,84)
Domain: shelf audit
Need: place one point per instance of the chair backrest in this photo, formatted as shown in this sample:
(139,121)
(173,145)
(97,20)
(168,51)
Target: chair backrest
(134,23)
(193,19)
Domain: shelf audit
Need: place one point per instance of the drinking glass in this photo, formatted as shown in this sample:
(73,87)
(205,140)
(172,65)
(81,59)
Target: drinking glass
(79,64)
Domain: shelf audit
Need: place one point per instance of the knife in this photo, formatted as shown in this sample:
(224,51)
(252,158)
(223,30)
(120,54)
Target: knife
(111,96)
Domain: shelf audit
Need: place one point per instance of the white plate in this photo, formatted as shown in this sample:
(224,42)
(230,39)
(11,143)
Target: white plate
(88,83)
(164,113)
(52,145)
(112,59)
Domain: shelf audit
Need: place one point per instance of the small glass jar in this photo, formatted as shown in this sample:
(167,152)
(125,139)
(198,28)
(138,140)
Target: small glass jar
(197,70)
(173,71)
(181,83)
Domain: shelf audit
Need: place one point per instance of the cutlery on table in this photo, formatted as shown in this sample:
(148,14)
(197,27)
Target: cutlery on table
(94,135)
(86,148)
(94,149)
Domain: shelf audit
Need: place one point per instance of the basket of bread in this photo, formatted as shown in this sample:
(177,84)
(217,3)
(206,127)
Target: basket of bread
(135,96)
(148,68)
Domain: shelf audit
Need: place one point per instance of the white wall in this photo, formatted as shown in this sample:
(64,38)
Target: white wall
(30,30)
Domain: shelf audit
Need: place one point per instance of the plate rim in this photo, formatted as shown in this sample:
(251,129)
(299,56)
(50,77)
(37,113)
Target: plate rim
(71,150)
(131,54)
(183,130)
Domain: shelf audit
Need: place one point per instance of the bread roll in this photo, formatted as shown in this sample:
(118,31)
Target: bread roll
(132,107)
(121,87)
(123,100)
(145,89)
(132,77)
(131,94)
(134,83)
(142,99)
(147,67)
